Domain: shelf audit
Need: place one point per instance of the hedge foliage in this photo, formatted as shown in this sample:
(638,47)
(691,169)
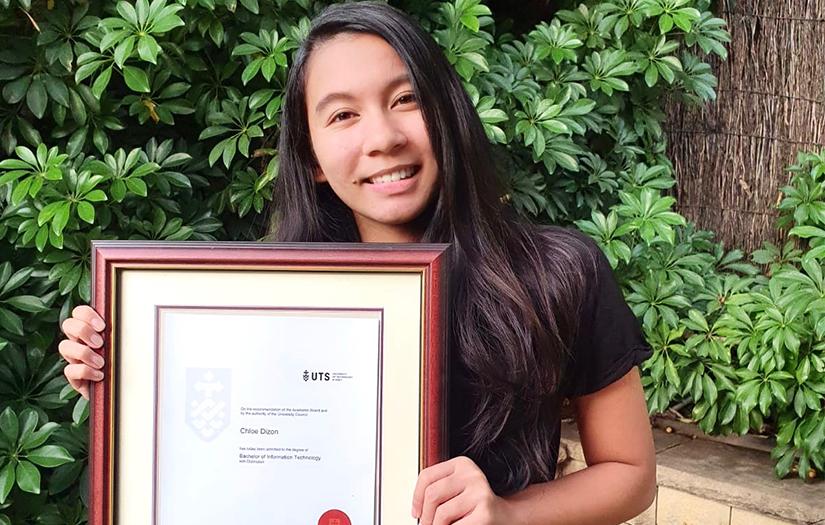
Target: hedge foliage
(139,120)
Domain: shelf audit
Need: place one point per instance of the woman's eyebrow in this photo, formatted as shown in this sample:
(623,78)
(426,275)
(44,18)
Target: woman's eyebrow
(339,95)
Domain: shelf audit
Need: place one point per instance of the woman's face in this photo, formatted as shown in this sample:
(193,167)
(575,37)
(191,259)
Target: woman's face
(369,135)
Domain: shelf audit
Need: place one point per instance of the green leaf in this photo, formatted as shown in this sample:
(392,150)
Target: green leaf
(651,75)
(101,82)
(807,231)
(127,12)
(28,477)
(167,23)
(251,5)
(57,90)
(671,373)
(144,169)
(41,238)
(137,186)
(5,275)
(251,70)
(9,424)
(95,196)
(21,191)
(477,60)
(14,91)
(783,466)
(81,411)
(47,212)
(29,420)
(216,152)
(11,322)
(124,50)
(765,398)
(76,141)
(36,98)
(49,456)
(61,218)
(40,436)
(6,481)
(709,389)
(27,303)
(26,154)
(259,98)
(268,68)
(799,402)
(148,49)
(136,79)
(118,190)
(470,22)
(86,211)
(18,279)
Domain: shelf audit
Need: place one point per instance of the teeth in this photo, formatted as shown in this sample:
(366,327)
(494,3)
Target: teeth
(393,177)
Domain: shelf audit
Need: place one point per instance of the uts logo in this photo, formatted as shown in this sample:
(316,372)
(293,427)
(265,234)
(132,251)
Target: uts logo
(207,400)
(316,376)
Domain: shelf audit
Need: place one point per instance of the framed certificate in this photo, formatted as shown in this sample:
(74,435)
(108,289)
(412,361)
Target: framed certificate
(266,383)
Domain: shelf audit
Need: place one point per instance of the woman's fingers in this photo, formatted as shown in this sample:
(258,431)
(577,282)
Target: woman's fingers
(87,314)
(81,372)
(82,387)
(79,376)
(82,331)
(441,493)
(453,510)
(427,477)
(75,352)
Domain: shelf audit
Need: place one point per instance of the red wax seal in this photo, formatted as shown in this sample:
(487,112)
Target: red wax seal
(334,517)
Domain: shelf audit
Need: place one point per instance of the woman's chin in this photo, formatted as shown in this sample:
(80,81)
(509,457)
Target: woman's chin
(390,227)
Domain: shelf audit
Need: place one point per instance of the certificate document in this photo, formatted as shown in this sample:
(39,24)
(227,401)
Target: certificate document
(280,417)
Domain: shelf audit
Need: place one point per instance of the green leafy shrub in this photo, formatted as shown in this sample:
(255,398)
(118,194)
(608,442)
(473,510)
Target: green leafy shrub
(139,120)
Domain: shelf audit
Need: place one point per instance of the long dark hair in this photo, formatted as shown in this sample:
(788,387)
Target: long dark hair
(516,290)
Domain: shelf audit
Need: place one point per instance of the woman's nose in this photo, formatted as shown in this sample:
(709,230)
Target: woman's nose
(383,135)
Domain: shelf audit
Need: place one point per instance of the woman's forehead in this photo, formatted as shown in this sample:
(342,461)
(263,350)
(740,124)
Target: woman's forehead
(352,63)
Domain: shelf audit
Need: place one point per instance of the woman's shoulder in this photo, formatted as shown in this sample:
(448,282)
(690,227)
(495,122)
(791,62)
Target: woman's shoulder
(609,340)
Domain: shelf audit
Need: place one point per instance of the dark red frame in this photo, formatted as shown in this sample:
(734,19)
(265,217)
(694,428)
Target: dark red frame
(428,259)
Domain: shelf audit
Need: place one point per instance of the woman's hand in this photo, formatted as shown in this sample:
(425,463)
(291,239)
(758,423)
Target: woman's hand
(457,492)
(83,329)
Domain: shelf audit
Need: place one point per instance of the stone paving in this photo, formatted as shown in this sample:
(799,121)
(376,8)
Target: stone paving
(707,483)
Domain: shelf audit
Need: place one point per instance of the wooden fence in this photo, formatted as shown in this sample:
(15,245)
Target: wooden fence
(731,156)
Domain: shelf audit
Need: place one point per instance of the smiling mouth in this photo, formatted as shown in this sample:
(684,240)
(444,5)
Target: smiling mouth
(394,176)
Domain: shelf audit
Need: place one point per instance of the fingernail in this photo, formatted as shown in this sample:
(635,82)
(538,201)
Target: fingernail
(98,325)
(97,340)
(97,360)
(98,375)
(414,515)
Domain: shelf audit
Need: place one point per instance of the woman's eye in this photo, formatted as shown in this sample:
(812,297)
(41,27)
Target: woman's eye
(406,98)
(341,116)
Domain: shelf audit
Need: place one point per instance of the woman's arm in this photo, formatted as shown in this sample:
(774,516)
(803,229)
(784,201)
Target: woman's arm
(618,484)
(620,480)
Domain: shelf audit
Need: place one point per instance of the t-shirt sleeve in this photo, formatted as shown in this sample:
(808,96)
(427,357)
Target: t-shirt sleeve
(609,341)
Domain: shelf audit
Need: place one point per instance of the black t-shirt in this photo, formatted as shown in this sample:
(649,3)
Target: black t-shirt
(609,343)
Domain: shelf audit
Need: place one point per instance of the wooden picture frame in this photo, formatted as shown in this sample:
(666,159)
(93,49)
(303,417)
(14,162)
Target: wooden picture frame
(150,293)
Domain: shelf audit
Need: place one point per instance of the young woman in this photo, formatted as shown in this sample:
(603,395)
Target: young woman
(380,143)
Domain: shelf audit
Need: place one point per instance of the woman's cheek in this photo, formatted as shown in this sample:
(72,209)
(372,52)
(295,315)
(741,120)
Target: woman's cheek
(342,159)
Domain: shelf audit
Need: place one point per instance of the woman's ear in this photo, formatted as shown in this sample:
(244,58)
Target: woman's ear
(319,176)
